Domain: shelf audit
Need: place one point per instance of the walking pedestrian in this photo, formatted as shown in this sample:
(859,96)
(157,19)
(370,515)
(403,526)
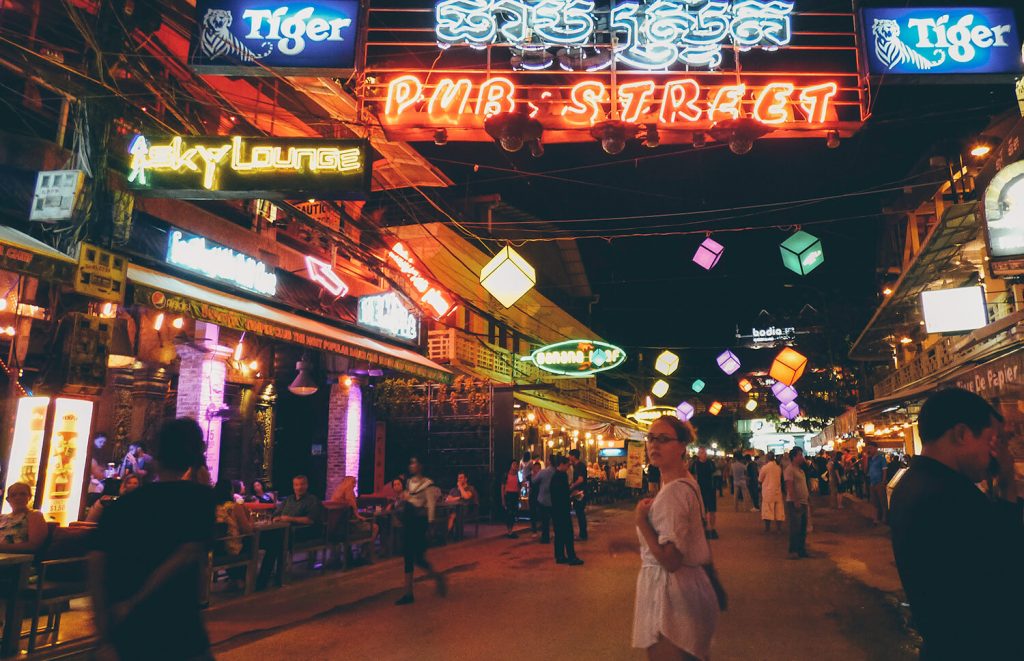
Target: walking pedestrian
(704,470)
(511,492)
(876,482)
(835,472)
(578,492)
(561,518)
(772,506)
(151,548)
(738,478)
(417,512)
(676,609)
(753,484)
(957,550)
(542,485)
(534,505)
(798,503)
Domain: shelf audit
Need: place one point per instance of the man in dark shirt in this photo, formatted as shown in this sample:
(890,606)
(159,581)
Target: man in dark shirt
(300,509)
(704,470)
(151,546)
(565,550)
(957,550)
(578,491)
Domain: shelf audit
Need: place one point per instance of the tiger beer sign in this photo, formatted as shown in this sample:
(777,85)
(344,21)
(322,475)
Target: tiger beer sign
(253,37)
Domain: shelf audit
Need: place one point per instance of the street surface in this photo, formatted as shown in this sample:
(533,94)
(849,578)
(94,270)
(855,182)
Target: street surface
(508,600)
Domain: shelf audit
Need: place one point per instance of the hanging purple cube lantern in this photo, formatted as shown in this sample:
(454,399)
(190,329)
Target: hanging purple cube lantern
(728,362)
(785,394)
(708,253)
(685,411)
(790,410)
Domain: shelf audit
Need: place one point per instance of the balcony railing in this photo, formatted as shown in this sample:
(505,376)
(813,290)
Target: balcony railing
(460,350)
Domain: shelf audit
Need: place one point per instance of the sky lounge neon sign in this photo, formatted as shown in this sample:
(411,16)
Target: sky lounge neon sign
(649,36)
(217,262)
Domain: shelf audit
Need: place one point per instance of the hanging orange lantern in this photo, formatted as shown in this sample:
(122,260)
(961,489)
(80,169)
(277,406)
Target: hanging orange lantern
(788,366)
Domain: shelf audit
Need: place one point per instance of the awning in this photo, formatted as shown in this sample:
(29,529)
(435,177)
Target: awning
(22,253)
(173,295)
(583,417)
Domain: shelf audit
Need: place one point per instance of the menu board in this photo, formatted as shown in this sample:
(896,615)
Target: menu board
(634,465)
(27,445)
(65,469)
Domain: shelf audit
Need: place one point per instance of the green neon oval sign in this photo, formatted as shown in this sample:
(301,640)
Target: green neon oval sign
(577,357)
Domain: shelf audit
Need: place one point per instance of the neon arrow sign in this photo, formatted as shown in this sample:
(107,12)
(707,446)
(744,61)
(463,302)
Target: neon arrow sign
(323,274)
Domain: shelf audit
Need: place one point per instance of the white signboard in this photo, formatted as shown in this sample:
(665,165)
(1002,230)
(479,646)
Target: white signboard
(386,313)
(55,195)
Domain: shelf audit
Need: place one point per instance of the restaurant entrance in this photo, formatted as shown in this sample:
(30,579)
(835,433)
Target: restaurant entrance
(300,440)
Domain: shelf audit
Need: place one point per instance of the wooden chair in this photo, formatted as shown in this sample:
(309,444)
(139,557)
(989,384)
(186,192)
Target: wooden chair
(471,517)
(221,560)
(343,534)
(61,575)
(310,540)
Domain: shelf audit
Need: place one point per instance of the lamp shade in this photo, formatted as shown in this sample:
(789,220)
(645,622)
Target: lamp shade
(783,393)
(750,405)
(708,253)
(698,385)
(667,363)
(802,253)
(660,388)
(745,385)
(715,408)
(728,362)
(508,276)
(303,385)
(788,366)
(789,411)
(685,411)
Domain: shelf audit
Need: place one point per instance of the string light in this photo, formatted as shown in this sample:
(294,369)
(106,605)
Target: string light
(158,323)
(179,322)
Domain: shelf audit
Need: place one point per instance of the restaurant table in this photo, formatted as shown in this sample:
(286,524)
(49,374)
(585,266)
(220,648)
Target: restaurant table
(272,530)
(14,570)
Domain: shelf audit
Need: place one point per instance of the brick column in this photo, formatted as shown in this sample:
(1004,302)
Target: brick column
(344,432)
(201,377)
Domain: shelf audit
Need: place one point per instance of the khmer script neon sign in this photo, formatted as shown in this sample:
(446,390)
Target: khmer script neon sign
(652,35)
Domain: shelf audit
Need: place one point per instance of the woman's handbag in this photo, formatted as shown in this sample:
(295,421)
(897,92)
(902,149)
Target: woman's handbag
(709,569)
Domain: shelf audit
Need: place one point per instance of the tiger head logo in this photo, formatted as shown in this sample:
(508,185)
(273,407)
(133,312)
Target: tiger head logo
(887,35)
(218,42)
(216,21)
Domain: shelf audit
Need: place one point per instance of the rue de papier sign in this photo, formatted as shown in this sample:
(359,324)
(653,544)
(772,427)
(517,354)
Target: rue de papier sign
(268,37)
(233,167)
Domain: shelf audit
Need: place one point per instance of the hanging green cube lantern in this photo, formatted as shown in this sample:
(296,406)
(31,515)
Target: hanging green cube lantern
(698,385)
(802,253)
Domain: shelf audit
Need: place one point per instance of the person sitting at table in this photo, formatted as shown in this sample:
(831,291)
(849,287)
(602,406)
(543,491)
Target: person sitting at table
(300,509)
(464,493)
(260,493)
(397,494)
(23,530)
(236,520)
(112,489)
(237,491)
(345,495)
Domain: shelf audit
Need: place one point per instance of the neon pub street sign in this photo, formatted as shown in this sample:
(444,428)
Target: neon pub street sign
(194,253)
(650,37)
(436,300)
(225,167)
(579,358)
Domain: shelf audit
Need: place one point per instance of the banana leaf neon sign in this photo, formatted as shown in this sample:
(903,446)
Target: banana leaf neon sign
(580,358)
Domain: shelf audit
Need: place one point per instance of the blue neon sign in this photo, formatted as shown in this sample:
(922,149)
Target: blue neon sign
(942,40)
(250,36)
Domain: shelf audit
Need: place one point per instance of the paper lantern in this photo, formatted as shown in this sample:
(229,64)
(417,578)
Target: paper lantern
(715,408)
(750,405)
(508,276)
(667,363)
(789,411)
(660,388)
(802,253)
(783,393)
(708,253)
(788,366)
(698,385)
(745,385)
(685,411)
(728,362)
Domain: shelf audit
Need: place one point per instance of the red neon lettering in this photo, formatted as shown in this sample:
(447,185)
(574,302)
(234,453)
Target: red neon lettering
(403,92)
(772,105)
(585,101)
(449,100)
(727,102)
(497,95)
(679,101)
(636,96)
(817,101)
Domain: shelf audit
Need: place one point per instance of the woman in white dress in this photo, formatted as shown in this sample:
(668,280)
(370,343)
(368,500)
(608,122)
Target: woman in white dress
(676,608)
(772,506)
